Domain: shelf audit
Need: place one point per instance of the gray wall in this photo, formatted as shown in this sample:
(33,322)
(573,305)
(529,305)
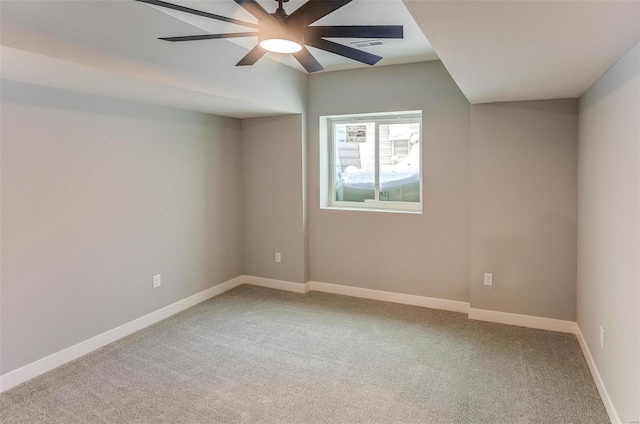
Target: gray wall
(424,254)
(500,185)
(609,230)
(102,194)
(272,190)
(99,195)
(524,160)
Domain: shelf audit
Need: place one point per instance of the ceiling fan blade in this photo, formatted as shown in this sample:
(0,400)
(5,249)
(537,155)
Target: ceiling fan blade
(210,36)
(356,31)
(313,10)
(307,60)
(198,12)
(339,49)
(253,7)
(252,57)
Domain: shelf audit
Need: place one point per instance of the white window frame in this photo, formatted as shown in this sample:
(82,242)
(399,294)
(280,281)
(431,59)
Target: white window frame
(328,158)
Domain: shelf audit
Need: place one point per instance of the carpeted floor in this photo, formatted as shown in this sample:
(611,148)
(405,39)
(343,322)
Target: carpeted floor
(261,355)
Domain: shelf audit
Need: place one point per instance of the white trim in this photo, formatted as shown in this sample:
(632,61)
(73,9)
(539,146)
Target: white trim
(358,208)
(524,320)
(613,415)
(41,366)
(276,284)
(328,140)
(385,296)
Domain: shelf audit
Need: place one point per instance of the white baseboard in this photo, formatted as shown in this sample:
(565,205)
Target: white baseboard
(524,320)
(613,415)
(276,284)
(385,296)
(21,375)
(34,369)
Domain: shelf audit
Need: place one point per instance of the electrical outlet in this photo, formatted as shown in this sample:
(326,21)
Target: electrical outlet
(488,279)
(602,337)
(278,257)
(157,281)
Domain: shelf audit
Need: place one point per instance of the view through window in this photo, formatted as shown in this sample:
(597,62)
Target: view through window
(376,161)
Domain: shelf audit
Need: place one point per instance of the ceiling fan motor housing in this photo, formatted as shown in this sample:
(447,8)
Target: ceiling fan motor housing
(280,14)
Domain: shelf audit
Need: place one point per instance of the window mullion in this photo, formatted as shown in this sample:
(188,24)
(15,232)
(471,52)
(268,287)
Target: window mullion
(377,161)
(332,163)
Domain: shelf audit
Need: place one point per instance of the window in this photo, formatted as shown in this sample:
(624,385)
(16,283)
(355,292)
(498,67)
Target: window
(373,162)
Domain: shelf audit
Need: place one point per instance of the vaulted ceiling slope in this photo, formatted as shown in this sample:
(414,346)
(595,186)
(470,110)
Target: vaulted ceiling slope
(527,50)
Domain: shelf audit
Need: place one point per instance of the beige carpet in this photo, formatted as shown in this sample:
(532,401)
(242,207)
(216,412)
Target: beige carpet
(264,356)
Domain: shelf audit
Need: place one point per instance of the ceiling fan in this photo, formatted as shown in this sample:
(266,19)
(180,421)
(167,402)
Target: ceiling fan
(281,33)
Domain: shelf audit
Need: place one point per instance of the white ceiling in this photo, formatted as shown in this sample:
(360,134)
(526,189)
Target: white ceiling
(494,50)
(414,47)
(527,50)
(111,48)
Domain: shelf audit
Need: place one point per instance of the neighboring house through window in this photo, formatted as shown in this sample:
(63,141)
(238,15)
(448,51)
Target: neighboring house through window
(372,162)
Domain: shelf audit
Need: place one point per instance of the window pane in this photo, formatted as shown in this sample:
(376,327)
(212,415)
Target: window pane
(355,161)
(375,161)
(400,162)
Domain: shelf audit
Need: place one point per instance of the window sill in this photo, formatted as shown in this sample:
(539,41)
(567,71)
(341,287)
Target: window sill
(373,209)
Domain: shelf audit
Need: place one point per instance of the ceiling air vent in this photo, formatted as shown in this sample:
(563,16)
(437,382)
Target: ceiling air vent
(368,43)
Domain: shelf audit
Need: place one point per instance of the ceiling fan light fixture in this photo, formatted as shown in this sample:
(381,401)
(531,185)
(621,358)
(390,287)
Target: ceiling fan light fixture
(282,33)
(274,37)
(280,45)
